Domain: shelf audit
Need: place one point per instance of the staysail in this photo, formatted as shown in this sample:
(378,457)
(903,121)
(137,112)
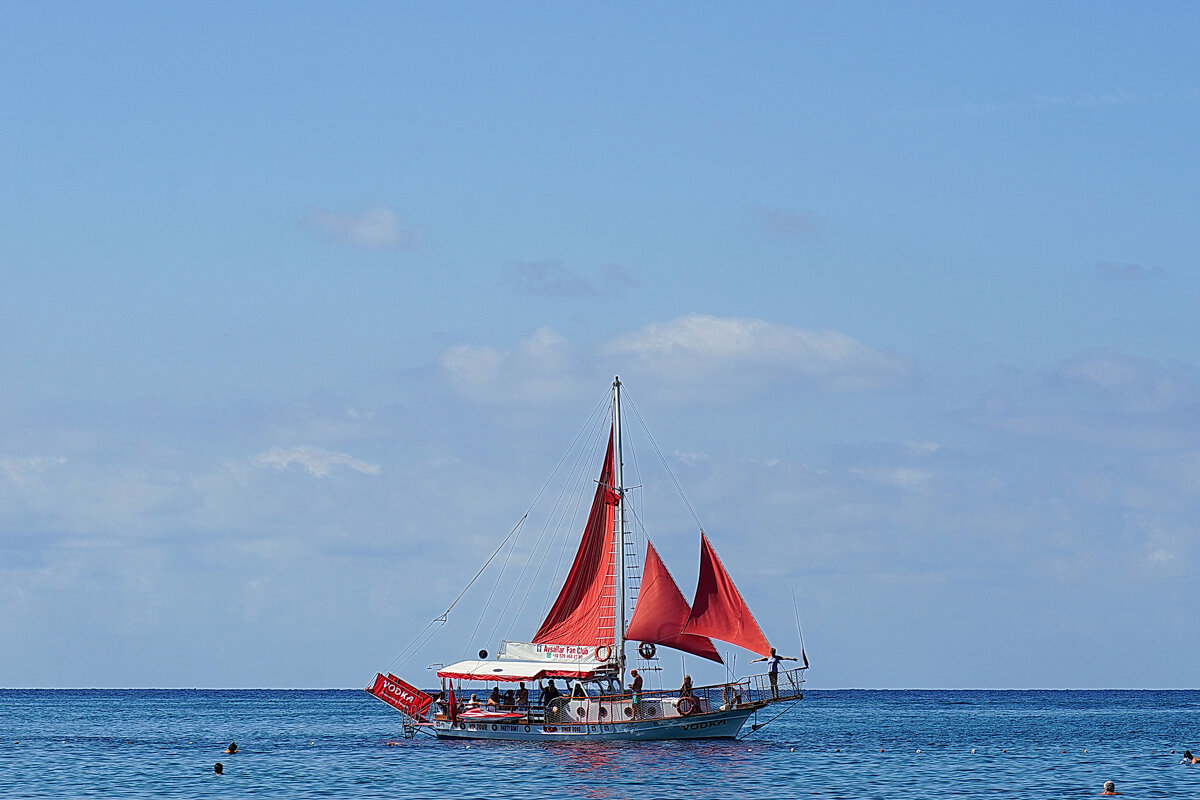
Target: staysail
(718,610)
(662,612)
(583,612)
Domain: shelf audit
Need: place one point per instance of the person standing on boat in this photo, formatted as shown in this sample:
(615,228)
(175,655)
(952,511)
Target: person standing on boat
(635,686)
(493,701)
(773,665)
(522,698)
(549,693)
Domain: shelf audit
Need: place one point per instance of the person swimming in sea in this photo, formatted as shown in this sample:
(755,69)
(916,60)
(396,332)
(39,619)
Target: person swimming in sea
(218,768)
(1110,788)
(231,749)
(1188,758)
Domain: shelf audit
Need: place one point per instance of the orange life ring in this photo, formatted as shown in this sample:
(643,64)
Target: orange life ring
(602,653)
(647,650)
(686,706)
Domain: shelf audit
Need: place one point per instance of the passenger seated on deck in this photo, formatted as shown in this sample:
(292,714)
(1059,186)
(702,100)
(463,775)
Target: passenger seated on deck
(578,692)
(493,701)
(685,688)
(473,702)
(730,696)
(522,698)
(507,702)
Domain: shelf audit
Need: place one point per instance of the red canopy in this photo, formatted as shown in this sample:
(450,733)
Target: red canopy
(587,597)
(718,609)
(662,612)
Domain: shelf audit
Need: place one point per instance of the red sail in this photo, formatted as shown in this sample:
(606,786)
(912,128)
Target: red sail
(662,612)
(718,609)
(583,612)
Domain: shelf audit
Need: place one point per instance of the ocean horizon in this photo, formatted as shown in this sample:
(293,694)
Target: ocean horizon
(836,743)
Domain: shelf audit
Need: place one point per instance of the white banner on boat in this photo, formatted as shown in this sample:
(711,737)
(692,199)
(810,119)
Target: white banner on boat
(525,651)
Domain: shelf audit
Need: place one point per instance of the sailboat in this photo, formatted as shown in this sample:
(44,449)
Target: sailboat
(584,638)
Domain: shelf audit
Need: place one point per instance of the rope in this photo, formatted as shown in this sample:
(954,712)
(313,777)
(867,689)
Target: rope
(666,466)
(755,727)
(440,620)
(413,647)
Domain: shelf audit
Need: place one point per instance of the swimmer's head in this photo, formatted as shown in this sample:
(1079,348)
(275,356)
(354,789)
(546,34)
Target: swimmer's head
(1109,786)
(219,768)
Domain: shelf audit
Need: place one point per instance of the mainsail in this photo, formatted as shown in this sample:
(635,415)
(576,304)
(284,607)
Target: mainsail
(662,612)
(583,612)
(718,609)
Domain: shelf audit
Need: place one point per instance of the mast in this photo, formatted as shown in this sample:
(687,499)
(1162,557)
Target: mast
(618,538)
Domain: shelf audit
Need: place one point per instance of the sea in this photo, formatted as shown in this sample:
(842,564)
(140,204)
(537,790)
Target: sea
(143,743)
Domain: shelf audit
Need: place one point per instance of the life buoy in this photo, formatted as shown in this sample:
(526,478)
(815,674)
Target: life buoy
(602,653)
(686,706)
(647,649)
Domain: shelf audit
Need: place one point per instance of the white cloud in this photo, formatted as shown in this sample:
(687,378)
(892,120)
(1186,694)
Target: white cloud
(20,470)
(698,348)
(691,358)
(1130,383)
(317,461)
(540,369)
(374,229)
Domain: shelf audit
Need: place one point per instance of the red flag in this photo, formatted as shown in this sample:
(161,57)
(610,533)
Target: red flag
(805,657)
(451,706)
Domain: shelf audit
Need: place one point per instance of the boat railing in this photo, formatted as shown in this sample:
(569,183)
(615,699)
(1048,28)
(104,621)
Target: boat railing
(752,691)
(786,684)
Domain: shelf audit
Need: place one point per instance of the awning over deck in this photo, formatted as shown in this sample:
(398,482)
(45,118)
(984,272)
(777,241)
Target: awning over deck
(511,671)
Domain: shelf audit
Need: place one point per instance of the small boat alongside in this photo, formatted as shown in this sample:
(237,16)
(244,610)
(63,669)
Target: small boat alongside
(582,643)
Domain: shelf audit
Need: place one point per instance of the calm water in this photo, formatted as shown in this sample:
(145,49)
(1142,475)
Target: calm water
(835,744)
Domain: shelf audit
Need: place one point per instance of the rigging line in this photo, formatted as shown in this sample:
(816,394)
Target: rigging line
(581,499)
(562,502)
(796,611)
(755,727)
(422,639)
(516,527)
(412,645)
(491,637)
(587,423)
(666,466)
(488,602)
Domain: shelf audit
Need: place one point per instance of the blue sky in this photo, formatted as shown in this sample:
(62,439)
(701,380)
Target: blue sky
(302,303)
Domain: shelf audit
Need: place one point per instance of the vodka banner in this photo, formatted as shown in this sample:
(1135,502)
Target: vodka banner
(400,695)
